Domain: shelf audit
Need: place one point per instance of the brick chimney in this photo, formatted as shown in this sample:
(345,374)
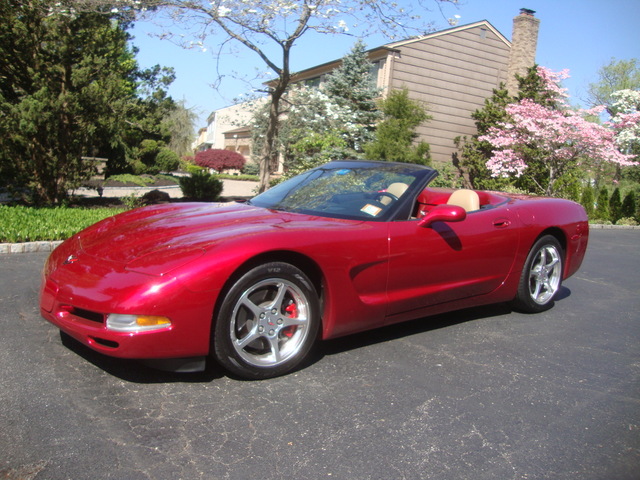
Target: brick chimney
(524,42)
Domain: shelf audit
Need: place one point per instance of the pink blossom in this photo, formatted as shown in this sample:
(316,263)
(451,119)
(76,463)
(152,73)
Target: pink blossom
(552,80)
(563,135)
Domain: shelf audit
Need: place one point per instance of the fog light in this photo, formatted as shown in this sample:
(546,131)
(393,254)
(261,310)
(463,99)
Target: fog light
(136,323)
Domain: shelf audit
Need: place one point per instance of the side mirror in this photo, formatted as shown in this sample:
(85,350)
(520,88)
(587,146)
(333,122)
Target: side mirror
(443,213)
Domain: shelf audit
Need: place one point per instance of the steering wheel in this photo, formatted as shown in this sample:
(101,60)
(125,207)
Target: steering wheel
(380,195)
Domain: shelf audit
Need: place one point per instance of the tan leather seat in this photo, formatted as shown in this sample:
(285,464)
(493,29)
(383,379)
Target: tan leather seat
(467,199)
(396,189)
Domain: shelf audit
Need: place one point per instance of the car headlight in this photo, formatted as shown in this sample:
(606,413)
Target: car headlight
(136,323)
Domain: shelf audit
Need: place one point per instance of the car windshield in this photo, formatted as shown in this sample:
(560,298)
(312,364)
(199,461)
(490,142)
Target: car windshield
(358,190)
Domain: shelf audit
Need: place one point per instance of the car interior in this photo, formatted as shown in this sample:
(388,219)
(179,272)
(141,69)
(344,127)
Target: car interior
(470,200)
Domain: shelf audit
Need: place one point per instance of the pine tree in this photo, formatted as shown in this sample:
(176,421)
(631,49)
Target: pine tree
(396,133)
(353,89)
(68,89)
(474,154)
(602,205)
(587,200)
(629,206)
(615,206)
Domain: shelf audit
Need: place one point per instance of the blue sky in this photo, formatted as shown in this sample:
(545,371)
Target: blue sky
(581,35)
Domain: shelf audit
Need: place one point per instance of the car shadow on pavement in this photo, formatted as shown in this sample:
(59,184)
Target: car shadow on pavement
(421,325)
(409,328)
(135,371)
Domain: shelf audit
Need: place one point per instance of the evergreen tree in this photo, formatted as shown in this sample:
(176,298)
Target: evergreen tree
(68,89)
(615,206)
(587,200)
(180,123)
(602,205)
(351,87)
(396,133)
(533,87)
(474,154)
(340,116)
(629,206)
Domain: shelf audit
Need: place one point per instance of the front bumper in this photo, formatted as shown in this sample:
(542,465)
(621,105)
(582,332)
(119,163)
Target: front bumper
(77,297)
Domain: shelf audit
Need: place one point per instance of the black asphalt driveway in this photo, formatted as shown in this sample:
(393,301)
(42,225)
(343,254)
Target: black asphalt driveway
(480,394)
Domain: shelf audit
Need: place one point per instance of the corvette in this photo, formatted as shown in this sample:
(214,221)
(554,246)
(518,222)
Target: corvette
(343,248)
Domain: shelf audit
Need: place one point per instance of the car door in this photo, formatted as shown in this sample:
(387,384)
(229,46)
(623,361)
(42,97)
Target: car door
(449,261)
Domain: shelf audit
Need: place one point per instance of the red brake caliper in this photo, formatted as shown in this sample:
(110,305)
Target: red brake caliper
(292,310)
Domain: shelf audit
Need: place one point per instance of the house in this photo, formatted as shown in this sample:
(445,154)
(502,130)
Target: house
(228,129)
(453,71)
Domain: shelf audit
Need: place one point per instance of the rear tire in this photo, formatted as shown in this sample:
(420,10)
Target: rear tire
(267,323)
(541,277)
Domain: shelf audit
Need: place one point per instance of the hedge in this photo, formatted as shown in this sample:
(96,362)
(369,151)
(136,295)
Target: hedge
(27,224)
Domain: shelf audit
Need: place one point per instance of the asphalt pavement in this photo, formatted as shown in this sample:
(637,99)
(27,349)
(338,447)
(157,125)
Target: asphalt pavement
(485,393)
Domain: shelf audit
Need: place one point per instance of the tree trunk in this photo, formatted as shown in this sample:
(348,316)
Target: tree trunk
(269,154)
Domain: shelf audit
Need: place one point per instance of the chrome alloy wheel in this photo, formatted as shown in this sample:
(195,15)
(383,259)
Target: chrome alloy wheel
(269,322)
(545,274)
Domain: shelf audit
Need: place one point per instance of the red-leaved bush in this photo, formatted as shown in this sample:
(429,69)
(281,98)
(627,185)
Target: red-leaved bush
(220,160)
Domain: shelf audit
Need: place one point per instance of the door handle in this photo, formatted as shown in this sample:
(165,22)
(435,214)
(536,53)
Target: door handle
(501,223)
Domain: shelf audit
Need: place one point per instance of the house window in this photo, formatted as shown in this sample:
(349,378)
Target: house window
(313,82)
(374,70)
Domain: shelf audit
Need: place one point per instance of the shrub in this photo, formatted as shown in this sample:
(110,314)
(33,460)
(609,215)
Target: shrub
(602,205)
(615,206)
(629,206)
(201,186)
(587,200)
(220,160)
(146,157)
(191,168)
(251,169)
(28,224)
(167,160)
(600,221)
(628,221)
(127,178)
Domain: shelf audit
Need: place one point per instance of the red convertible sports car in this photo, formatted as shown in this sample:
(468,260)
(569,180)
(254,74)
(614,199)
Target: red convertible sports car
(345,247)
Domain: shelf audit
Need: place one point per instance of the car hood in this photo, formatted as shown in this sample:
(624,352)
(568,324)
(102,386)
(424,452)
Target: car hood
(179,232)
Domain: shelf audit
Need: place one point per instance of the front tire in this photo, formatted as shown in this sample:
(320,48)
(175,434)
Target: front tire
(267,323)
(541,277)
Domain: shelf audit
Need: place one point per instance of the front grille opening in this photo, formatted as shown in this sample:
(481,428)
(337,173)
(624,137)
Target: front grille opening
(106,343)
(88,315)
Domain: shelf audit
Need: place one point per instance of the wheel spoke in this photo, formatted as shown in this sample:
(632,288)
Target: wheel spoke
(250,337)
(279,298)
(554,261)
(249,305)
(274,345)
(537,286)
(293,322)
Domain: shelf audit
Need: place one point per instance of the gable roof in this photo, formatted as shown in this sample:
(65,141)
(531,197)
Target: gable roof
(448,31)
(378,52)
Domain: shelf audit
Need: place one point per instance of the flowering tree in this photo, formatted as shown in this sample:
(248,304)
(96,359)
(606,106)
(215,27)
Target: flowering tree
(270,29)
(551,133)
(626,121)
(328,122)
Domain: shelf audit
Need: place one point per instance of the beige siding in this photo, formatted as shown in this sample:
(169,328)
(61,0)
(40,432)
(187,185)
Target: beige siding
(453,74)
